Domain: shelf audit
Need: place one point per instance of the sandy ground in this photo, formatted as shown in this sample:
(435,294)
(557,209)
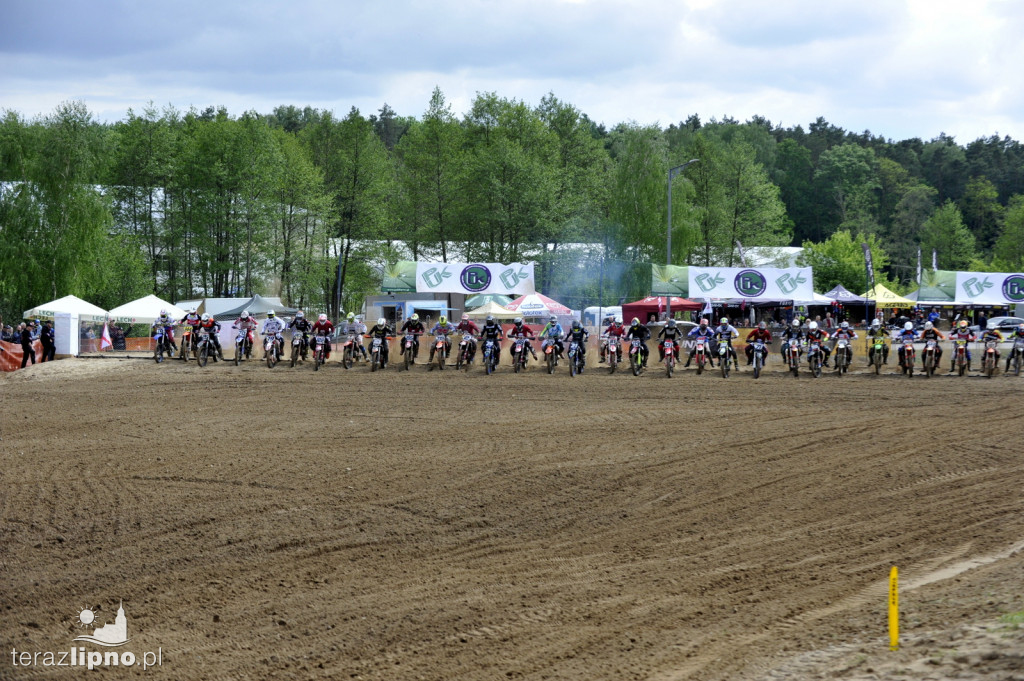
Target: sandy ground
(439,525)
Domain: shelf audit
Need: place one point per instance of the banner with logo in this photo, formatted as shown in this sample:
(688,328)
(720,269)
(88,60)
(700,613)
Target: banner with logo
(515,279)
(752,283)
(990,288)
(670,280)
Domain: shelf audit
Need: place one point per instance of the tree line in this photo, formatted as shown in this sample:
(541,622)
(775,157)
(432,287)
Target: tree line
(313,207)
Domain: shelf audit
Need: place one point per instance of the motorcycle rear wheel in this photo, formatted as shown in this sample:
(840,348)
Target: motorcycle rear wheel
(203,356)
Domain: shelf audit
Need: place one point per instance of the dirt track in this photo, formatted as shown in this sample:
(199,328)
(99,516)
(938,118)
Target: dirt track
(291,525)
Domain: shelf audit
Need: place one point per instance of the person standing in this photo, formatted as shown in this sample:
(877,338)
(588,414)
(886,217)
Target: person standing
(46,337)
(27,351)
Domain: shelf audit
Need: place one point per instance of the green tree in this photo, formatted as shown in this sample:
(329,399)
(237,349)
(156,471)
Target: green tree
(981,211)
(849,174)
(839,260)
(1008,252)
(903,237)
(946,232)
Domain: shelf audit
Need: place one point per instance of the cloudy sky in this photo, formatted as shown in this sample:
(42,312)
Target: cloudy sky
(900,68)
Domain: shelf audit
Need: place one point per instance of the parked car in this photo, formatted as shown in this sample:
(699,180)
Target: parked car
(1005,325)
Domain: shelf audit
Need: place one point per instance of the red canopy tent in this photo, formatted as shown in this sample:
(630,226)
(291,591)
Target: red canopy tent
(643,309)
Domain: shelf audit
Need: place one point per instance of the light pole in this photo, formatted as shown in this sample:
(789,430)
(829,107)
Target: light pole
(672,172)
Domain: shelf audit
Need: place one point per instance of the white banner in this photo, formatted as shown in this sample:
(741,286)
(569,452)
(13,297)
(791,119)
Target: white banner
(752,283)
(472,278)
(989,288)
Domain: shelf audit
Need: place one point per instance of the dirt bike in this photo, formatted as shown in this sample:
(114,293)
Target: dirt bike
(319,350)
(243,346)
(842,355)
(635,359)
(376,353)
(990,359)
(298,346)
(163,344)
(272,348)
(550,349)
(204,347)
(611,351)
(878,346)
(908,358)
(349,350)
(440,350)
(960,356)
(725,357)
(758,359)
(409,349)
(1017,359)
(670,357)
(186,343)
(519,354)
(814,358)
(793,356)
(700,354)
(465,347)
(490,352)
(576,358)
(928,356)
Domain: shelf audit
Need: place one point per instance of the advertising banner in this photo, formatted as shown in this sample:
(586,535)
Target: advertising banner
(670,280)
(752,283)
(471,278)
(990,288)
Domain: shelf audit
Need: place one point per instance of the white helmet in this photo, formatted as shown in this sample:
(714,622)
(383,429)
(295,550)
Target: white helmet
(381,322)
(191,310)
(927,325)
(876,322)
(205,317)
(812,326)
(909,326)
(322,317)
(845,325)
(163,313)
(299,315)
(245,314)
(618,320)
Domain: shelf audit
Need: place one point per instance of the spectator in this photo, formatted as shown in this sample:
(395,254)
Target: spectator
(982,321)
(830,323)
(27,351)
(47,339)
(117,336)
(7,335)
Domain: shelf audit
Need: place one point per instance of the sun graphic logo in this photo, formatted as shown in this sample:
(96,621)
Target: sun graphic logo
(110,635)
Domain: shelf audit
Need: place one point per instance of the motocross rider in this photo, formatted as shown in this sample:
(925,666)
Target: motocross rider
(248,325)
(792,333)
(577,334)
(492,332)
(1014,337)
(353,328)
(324,325)
(761,333)
(700,332)
(361,328)
(519,330)
(212,327)
(638,331)
(844,332)
(383,331)
(614,329)
(724,333)
(992,335)
(907,335)
(673,333)
(962,332)
(552,333)
(273,327)
(930,333)
(414,326)
(300,323)
(445,329)
(877,331)
(166,322)
(468,326)
(191,318)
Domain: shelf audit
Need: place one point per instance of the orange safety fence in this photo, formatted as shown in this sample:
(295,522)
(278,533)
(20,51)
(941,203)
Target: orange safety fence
(11,355)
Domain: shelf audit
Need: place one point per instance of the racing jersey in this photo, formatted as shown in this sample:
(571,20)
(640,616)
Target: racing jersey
(327,327)
(379,331)
(615,330)
(991,334)
(191,319)
(411,326)
(578,335)
(521,330)
(817,336)
(791,333)
(725,332)
(932,334)
(847,333)
(445,329)
(706,333)
(963,335)
(763,335)
(552,331)
(300,324)
(467,326)
(492,331)
(905,336)
(249,323)
(211,325)
(638,331)
(673,333)
(272,326)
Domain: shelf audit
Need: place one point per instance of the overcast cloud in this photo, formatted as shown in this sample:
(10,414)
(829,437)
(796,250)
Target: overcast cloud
(900,68)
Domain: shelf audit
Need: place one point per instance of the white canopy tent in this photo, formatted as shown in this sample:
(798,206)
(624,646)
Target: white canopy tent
(144,310)
(72,305)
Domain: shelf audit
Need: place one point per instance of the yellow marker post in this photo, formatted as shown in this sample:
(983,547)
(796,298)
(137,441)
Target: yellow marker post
(894,609)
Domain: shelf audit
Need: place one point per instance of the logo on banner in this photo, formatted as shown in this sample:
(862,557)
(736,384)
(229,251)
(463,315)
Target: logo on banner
(708,283)
(435,277)
(510,277)
(475,278)
(1013,288)
(751,283)
(788,283)
(974,286)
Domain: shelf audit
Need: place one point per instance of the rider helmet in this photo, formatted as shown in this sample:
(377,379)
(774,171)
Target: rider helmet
(962,324)
(191,310)
(876,322)
(163,313)
(299,315)
(909,326)
(490,319)
(553,319)
(927,325)
(322,317)
(812,326)
(443,320)
(575,323)
(270,314)
(762,326)
(245,314)
(518,321)
(205,317)
(381,322)
(703,322)
(1020,328)
(415,317)
(635,321)
(724,321)
(671,323)
(351,316)
(795,321)
(618,320)
(845,325)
